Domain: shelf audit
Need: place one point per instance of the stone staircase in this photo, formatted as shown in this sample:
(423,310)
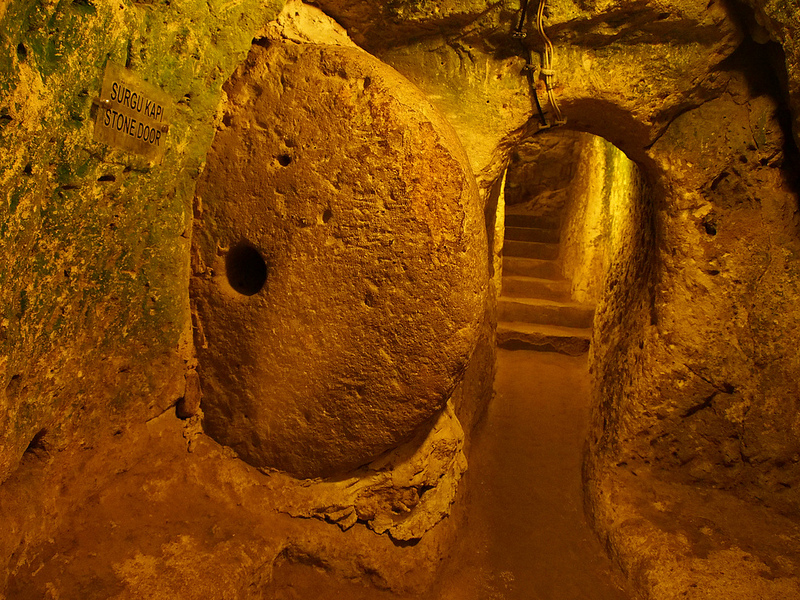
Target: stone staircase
(535,310)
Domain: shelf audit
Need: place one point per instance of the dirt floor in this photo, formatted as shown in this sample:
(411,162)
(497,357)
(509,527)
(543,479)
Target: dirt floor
(526,536)
(159,522)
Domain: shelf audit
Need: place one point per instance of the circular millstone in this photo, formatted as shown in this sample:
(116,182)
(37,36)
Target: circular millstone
(340,261)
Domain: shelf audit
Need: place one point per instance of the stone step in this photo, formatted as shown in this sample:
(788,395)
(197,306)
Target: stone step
(533,287)
(532,234)
(531,267)
(545,312)
(530,249)
(546,338)
(522,220)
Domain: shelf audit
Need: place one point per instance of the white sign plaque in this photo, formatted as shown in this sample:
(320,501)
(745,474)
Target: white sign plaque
(132,114)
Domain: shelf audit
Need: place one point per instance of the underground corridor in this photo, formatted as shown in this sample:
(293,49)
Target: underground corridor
(454,300)
(523,533)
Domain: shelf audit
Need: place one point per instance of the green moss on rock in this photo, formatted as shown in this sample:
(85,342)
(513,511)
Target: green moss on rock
(94,241)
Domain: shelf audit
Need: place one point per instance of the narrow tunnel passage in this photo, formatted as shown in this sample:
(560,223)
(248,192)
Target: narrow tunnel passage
(526,536)
(566,212)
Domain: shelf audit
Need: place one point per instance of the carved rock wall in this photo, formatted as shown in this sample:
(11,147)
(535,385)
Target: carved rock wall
(696,378)
(95,327)
(120,212)
(721,326)
(601,216)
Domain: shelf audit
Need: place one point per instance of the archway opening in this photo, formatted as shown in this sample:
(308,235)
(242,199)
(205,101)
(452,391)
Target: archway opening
(571,213)
(570,209)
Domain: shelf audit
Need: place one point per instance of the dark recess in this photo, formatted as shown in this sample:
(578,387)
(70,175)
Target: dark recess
(764,66)
(37,445)
(246,269)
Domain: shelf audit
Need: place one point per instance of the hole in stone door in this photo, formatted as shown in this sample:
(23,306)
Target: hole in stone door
(245,269)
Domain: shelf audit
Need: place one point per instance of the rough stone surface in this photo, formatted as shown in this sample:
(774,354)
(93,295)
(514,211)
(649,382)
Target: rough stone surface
(357,196)
(779,21)
(623,71)
(377,25)
(405,493)
(725,377)
(194,523)
(696,382)
(94,242)
(476,82)
(599,220)
(540,173)
(678,541)
(524,336)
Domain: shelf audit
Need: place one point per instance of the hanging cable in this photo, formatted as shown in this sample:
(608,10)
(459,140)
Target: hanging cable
(530,73)
(530,68)
(519,31)
(547,71)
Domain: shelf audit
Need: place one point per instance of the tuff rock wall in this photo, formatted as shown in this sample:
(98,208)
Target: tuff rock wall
(700,400)
(97,331)
(603,196)
(695,376)
(695,336)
